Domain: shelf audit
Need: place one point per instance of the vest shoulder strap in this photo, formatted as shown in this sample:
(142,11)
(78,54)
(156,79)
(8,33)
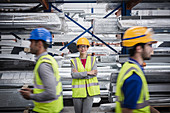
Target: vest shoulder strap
(74,61)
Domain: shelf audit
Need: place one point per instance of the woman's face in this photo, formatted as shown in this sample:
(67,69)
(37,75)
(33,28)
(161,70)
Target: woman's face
(82,49)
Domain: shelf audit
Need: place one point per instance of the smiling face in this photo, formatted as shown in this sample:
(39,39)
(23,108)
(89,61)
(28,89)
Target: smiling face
(82,49)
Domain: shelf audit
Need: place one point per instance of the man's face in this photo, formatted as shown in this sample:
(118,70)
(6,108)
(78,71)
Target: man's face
(147,51)
(33,47)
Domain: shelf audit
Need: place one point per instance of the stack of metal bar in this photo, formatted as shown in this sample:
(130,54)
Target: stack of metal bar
(30,20)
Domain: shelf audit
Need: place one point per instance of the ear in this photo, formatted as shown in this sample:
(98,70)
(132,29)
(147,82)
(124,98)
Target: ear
(139,49)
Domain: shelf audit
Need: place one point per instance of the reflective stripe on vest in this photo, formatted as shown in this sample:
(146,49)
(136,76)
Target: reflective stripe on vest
(42,86)
(75,62)
(56,98)
(83,86)
(138,106)
(130,69)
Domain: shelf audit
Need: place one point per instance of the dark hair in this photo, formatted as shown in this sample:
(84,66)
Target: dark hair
(132,50)
(45,45)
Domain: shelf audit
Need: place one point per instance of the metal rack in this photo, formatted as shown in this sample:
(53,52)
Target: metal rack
(104,27)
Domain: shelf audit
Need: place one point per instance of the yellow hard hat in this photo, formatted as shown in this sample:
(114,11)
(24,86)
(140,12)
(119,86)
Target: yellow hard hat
(83,41)
(137,34)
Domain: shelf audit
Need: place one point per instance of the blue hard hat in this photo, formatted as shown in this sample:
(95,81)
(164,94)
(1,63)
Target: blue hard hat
(41,34)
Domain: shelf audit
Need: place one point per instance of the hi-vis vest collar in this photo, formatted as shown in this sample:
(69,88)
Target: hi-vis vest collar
(92,61)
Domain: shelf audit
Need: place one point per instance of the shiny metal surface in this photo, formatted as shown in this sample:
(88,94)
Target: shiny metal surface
(155,23)
(30,20)
(23,1)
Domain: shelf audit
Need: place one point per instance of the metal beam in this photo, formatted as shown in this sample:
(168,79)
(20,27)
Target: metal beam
(45,4)
(76,38)
(112,12)
(131,3)
(119,1)
(16,36)
(0,39)
(80,1)
(76,1)
(23,1)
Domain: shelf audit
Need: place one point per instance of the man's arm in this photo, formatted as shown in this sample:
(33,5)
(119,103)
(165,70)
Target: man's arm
(153,110)
(126,110)
(46,74)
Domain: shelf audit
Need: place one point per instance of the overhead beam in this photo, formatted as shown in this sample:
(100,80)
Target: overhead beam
(45,4)
(76,1)
(23,1)
(144,1)
(80,1)
(131,3)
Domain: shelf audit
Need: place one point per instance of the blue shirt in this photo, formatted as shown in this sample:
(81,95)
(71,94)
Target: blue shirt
(132,88)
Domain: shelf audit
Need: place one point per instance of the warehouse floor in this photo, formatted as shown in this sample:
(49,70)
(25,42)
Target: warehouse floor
(65,110)
(70,109)
(94,110)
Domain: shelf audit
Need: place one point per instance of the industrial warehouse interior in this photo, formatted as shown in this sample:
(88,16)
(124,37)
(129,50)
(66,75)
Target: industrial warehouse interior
(103,23)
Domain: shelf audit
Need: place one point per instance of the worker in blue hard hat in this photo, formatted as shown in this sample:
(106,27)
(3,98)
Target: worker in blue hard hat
(47,92)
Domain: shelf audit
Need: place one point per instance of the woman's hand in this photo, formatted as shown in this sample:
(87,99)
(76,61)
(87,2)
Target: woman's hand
(74,70)
(93,72)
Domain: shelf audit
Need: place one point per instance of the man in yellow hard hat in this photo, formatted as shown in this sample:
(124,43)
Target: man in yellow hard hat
(131,88)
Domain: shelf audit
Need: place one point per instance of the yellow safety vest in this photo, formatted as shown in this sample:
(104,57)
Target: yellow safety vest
(143,102)
(79,85)
(51,106)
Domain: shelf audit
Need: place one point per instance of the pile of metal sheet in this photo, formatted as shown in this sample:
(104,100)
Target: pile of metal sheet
(156,23)
(30,20)
(23,1)
(100,50)
(105,26)
(118,1)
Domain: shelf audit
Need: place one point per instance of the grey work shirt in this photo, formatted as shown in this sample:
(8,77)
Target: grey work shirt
(46,74)
(82,75)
